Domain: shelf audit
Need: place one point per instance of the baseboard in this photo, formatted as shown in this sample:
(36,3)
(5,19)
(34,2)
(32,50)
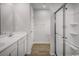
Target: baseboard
(27,55)
(28,52)
(52,54)
(41,42)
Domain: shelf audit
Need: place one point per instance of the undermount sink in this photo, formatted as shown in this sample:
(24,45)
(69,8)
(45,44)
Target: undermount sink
(10,35)
(2,44)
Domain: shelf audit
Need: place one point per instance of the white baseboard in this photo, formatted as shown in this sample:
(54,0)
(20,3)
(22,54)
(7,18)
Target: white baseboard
(41,42)
(52,54)
(28,53)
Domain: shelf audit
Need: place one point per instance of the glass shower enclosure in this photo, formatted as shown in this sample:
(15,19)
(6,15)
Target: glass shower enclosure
(66,22)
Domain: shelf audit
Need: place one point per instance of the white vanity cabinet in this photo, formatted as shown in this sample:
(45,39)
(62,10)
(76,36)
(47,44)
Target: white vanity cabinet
(21,46)
(10,51)
(15,46)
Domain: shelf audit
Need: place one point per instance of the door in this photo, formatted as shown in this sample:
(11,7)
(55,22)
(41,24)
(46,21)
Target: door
(59,32)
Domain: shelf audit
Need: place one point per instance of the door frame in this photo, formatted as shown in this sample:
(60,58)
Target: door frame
(64,31)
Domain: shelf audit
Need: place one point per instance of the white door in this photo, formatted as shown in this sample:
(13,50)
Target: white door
(59,32)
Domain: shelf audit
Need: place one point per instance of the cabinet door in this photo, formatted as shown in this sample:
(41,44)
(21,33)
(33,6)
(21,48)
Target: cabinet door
(29,43)
(21,47)
(14,52)
(4,53)
(11,51)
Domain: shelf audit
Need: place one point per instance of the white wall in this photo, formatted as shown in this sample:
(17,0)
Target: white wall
(52,41)
(41,26)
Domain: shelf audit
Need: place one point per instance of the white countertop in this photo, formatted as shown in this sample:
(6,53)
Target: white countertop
(7,41)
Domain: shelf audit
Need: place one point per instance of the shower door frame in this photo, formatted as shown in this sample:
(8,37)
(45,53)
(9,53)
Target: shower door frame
(64,30)
(0,19)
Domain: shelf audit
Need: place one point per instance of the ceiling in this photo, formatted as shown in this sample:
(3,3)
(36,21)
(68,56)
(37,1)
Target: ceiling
(50,6)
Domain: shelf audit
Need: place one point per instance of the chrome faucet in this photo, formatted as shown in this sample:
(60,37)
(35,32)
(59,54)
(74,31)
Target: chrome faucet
(10,34)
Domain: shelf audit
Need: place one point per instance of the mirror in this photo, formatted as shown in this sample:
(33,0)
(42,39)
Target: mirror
(7,19)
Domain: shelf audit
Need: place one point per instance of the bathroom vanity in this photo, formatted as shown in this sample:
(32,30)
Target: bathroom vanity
(14,45)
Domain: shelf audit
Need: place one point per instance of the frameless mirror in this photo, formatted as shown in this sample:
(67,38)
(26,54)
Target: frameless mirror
(6,18)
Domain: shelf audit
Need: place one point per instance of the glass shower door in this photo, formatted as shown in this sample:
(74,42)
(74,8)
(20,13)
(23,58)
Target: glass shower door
(59,32)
